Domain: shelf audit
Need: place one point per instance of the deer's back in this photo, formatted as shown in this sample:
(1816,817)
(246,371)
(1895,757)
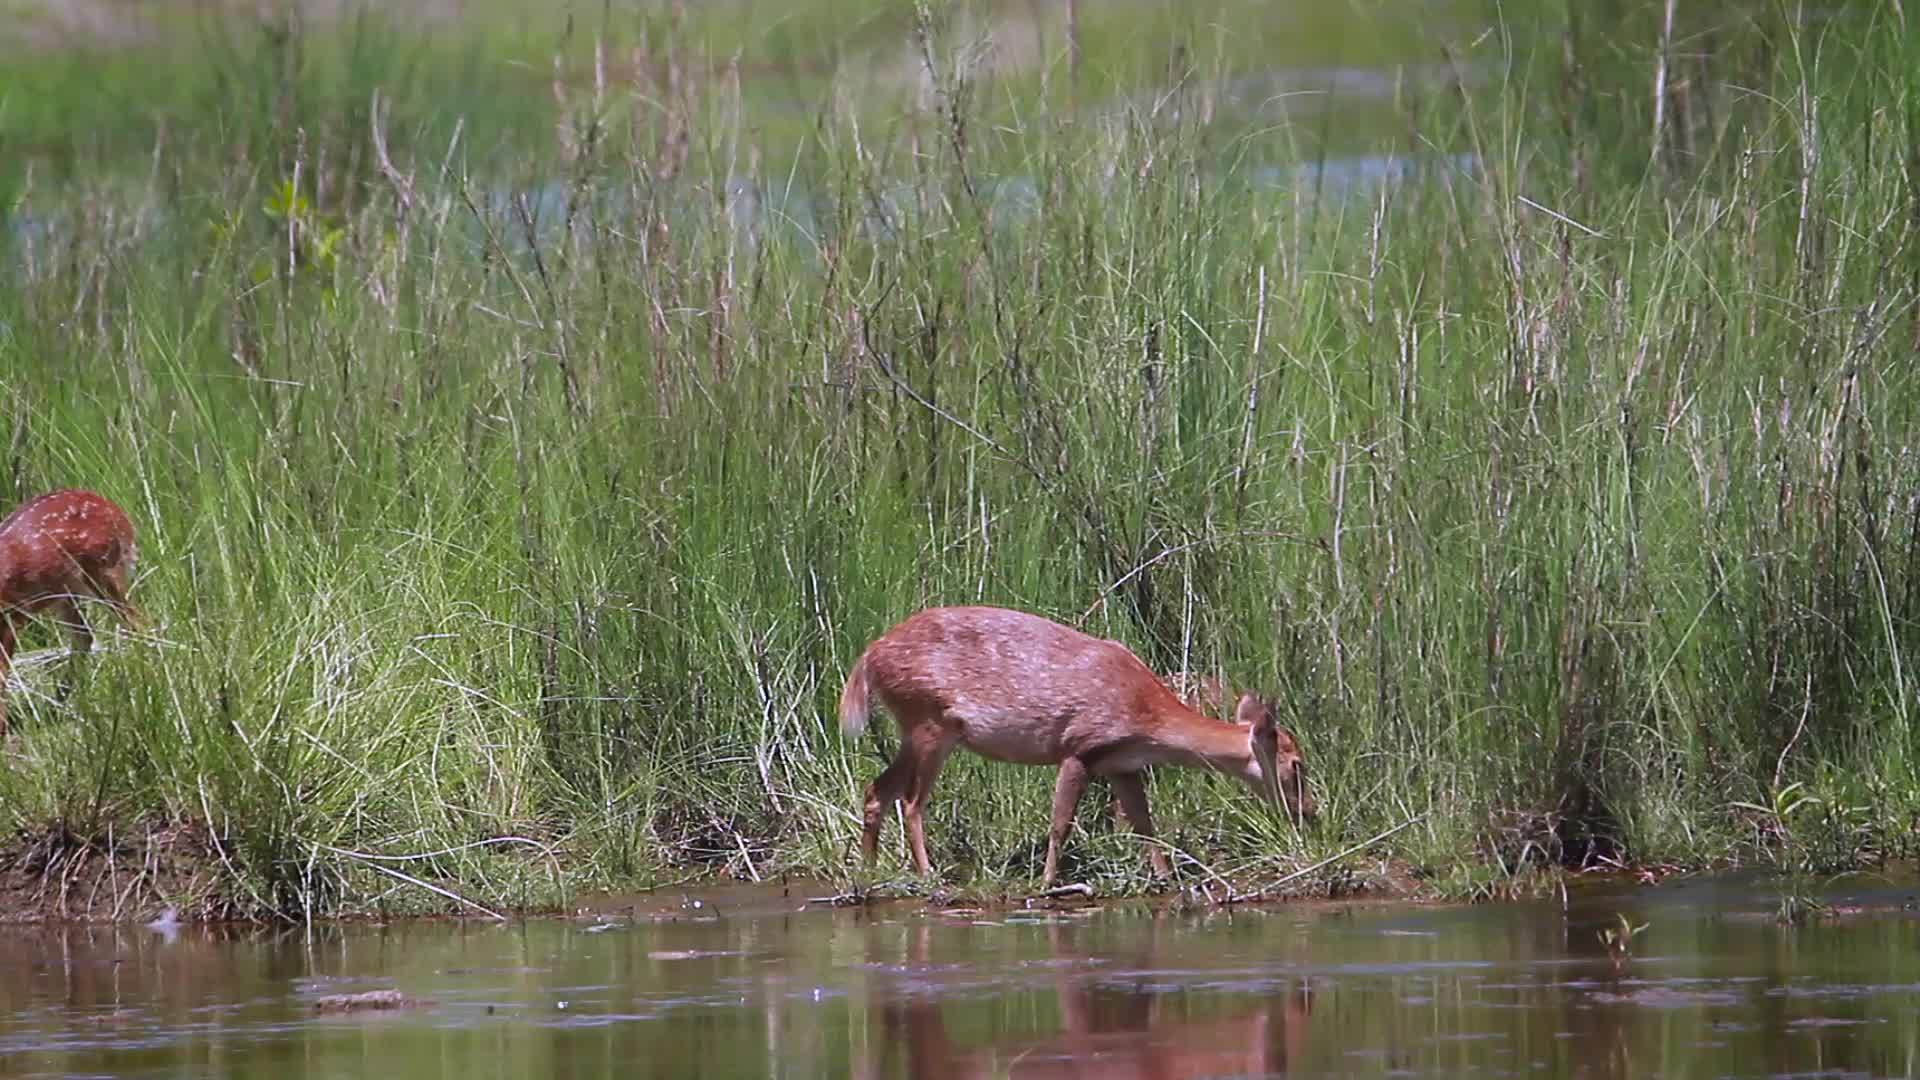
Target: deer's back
(53,542)
(1015,686)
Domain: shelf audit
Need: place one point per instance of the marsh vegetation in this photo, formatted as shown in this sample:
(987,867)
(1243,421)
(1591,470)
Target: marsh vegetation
(529,416)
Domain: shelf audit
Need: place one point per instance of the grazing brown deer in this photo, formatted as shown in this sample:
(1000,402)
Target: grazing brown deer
(56,551)
(1019,688)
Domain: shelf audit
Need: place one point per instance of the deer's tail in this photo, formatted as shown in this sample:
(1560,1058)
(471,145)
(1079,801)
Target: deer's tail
(853,701)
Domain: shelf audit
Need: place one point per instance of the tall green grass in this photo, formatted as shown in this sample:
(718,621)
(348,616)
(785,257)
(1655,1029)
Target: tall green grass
(510,520)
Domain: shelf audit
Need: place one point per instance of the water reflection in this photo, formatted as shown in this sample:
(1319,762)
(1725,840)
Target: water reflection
(749,983)
(1110,1024)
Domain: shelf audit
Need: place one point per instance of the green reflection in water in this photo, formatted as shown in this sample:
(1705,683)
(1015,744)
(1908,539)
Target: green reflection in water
(751,985)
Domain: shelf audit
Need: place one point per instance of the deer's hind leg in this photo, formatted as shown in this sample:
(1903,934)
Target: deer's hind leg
(1067,789)
(888,788)
(930,746)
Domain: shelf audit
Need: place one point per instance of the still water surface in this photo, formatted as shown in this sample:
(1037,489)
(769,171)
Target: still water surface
(753,984)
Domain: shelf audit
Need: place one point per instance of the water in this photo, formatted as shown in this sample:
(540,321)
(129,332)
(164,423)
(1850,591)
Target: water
(751,983)
(1321,121)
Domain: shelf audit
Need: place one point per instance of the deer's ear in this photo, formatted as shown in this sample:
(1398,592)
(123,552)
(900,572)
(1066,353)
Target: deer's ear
(1253,713)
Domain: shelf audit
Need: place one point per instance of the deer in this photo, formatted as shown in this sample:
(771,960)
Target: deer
(1016,687)
(57,550)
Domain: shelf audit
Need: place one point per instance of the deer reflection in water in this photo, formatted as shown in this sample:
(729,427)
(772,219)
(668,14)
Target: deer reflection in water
(1108,1029)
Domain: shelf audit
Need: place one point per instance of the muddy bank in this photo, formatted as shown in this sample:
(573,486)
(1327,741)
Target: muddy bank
(56,876)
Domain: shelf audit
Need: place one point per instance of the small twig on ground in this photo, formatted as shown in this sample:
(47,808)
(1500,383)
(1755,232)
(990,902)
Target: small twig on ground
(742,842)
(1262,893)
(845,899)
(430,887)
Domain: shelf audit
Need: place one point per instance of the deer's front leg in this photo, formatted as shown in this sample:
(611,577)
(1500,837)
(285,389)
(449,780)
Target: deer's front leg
(1131,790)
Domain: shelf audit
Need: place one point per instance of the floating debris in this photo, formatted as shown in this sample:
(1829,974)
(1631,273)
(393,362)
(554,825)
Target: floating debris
(367,1001)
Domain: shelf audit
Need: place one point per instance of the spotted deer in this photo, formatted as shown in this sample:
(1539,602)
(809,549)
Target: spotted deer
(58,550)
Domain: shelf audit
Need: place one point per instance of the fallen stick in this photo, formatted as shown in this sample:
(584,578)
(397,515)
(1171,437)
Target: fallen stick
(1261,894)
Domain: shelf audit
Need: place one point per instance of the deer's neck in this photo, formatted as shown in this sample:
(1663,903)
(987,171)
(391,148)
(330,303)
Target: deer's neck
(1189,738)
